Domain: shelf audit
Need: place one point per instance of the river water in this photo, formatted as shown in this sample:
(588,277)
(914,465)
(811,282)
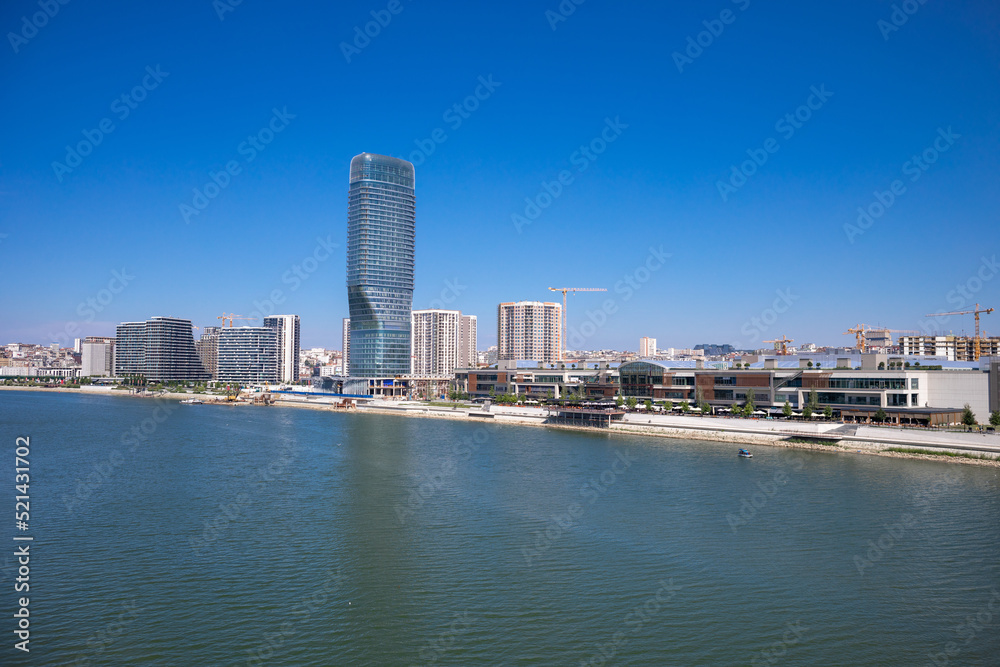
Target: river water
(215,535)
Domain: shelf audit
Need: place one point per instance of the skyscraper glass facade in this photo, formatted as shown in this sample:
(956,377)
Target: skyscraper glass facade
(381,222)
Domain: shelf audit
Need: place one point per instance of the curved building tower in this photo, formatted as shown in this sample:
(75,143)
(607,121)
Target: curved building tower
(381,221)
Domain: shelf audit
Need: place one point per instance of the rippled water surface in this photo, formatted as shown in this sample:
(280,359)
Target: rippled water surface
(212,535)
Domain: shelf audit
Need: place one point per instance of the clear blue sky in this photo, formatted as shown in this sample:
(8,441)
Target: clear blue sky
(656,184)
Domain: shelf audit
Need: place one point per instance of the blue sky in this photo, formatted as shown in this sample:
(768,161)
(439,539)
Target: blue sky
(767,255)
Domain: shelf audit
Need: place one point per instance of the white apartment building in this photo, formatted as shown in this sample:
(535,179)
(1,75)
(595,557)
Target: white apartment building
(97,359)
(468,356)
(529,330)
(647,347)
(346,339)
(434,338)
(286,329)
(248,355)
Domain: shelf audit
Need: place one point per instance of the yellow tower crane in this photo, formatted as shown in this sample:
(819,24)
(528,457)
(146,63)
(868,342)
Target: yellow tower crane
(977,341)
(781,344)
(565,318)
(862,330)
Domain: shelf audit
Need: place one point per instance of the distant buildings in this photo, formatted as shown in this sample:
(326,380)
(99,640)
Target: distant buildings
(248,355)
(647,347)
(286,329)
(161,349)
(713,350)
(529,330)
(208,350)
(381,224)
(488,357)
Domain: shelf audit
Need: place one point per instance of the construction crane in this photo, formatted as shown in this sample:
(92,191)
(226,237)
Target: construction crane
(231,317)
(782,342)
(977,341)
(565,318)
(862,330)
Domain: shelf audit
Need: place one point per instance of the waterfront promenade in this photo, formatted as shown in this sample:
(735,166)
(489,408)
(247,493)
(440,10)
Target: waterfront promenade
(823,435)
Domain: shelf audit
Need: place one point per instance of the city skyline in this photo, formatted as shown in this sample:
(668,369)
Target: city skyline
(678,156)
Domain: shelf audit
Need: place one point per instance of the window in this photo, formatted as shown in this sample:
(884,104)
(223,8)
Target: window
(914,383)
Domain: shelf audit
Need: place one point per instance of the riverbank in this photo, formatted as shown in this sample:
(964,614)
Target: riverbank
(736,431)
(832,437)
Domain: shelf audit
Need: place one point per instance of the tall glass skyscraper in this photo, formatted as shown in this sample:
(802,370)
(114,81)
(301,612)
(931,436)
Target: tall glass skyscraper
(381,222)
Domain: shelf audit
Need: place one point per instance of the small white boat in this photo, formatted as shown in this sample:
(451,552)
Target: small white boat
(745,454)
(192,401)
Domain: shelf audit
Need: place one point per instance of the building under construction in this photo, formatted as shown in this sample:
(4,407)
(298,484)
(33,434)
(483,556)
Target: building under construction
(953,348)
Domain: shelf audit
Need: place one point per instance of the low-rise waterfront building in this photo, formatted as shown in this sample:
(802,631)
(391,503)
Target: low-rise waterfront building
(538,381)
(841,386)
